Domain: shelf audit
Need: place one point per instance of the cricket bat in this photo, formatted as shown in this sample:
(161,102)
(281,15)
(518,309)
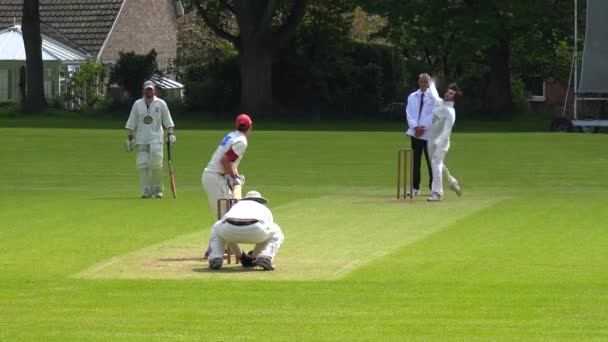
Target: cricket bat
(171,173)
(237,192)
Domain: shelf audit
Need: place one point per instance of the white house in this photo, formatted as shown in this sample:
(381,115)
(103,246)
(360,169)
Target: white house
(55,56)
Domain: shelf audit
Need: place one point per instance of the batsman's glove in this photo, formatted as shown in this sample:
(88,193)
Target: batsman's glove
(171,138)
(130,143)
(247,260)
(235,180)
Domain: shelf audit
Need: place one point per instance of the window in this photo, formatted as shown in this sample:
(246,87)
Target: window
(536,88)
(3,85)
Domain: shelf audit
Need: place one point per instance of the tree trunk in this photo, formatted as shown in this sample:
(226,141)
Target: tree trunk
(498,101)
(32,40)
(256,79)
(22,82)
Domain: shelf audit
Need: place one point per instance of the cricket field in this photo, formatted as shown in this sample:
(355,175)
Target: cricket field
(522,255)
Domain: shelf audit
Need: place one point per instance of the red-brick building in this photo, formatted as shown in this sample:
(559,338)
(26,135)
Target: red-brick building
(103,28)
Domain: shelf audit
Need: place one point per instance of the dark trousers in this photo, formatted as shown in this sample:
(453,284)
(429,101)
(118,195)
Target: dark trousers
(419,146)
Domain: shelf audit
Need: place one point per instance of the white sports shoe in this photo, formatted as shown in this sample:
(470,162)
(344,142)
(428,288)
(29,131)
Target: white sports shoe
(416,192)
(435,197)
(158,195)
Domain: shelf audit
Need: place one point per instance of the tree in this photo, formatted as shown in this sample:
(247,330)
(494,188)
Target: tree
(262,28)
(32,40)
(132,70)
(474,39)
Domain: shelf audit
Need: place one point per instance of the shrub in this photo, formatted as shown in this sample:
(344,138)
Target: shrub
(214,86)
(84,85)
(131,70)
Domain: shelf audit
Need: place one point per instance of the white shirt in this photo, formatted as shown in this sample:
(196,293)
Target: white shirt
(249,210)
(417,118)
(235,141)
(444,117)
(148,121)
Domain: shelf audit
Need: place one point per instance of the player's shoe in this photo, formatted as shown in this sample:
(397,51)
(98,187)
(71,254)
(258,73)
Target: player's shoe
(265,263)
(435,197)
(456,188)
(158,195)
(215,263)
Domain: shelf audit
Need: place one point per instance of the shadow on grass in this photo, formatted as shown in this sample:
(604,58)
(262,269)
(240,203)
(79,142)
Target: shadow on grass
(225,270)
(201,259)
(117,199)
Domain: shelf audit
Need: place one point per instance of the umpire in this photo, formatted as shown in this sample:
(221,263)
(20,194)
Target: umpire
(419,112)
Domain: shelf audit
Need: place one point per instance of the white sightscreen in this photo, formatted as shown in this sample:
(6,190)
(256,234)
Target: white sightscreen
(594,72)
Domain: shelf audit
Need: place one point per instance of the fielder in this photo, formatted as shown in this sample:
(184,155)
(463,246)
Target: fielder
(221,176)
(444,117)
(148,116)
(248,221)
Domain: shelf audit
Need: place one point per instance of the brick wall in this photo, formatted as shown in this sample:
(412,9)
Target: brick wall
(144,25)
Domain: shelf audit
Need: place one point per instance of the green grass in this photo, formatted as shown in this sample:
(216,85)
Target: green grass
(521,256)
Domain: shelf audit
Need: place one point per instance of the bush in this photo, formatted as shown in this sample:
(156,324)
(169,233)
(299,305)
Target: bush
(360,81)
(131,70)
(214,86)
(83,85)
(56,102)
(521,97)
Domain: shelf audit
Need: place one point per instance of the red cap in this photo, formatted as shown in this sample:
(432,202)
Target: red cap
(243,122)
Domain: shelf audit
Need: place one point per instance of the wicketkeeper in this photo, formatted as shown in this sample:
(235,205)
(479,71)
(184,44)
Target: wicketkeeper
(145,134)
(248,221)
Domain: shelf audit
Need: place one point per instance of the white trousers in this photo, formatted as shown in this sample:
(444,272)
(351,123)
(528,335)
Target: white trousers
(216,187)
(267,238)
(440,170)
(149,162)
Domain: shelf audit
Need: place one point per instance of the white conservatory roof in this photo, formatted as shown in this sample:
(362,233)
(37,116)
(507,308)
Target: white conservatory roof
(12,48)
(167,83)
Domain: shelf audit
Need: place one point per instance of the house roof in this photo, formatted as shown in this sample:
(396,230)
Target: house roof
(80,24)
(12,48)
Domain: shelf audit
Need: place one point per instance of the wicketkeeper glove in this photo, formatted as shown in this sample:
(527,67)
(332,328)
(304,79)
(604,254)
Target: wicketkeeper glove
(130,143)
(171,138)
(247,260)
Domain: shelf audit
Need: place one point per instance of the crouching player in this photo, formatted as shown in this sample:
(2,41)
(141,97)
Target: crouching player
(444,117)
(248,221)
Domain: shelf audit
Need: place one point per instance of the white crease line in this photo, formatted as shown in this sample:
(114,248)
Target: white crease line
(347,267)
(110,262)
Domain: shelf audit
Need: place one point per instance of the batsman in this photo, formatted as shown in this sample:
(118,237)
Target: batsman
(145,135)
(221,178)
